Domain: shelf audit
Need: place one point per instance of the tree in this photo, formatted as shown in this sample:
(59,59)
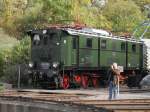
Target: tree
(11,58)
(11,11)
(1,65)
(117,15)
(20,15)
(21,52)
(141,3)
(87,13)
(124,15)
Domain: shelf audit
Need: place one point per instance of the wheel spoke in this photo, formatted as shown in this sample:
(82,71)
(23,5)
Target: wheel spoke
(65,83)
(85,81)
(95,82)
(77,79)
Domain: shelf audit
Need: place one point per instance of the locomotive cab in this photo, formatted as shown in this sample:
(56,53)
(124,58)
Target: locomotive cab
(45,54)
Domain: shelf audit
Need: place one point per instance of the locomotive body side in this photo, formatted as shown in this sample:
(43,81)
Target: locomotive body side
(72,57)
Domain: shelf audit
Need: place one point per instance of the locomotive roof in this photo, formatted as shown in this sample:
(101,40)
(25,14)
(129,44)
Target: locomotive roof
(100,35)
(87,32)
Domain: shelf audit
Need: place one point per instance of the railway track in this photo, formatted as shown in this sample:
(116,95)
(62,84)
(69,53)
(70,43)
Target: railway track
(123,105)
(128,105)
(136,90)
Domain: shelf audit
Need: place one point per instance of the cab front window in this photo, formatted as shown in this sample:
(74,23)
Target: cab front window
(36,40)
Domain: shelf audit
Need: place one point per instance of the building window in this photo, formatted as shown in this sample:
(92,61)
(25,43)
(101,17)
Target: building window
(89,42)
(74,43)
(123,46)
(103,44)
(133,47)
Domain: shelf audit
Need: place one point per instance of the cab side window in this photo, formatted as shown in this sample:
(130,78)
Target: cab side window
(89,43)
(74,43)
(123,46)
(133,47)
(103,44)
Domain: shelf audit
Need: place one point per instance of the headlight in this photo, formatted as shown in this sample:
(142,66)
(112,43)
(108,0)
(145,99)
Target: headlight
(30,64)
(55,64)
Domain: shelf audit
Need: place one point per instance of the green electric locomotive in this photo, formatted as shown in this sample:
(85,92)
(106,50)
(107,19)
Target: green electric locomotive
(63,57)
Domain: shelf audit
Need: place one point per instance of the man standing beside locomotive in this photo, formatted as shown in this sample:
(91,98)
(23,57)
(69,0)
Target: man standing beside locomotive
(113,80)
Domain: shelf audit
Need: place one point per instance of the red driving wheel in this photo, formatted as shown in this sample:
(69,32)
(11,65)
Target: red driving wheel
(85,81)
(77,79)
(65,83)
(95,81)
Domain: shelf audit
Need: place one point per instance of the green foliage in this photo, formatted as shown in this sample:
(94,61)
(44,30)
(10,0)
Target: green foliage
(141,3)
(33,14)
(118,16)
(84,13)
(10,59)
(21,52)
(141,30)
(1,65)
(10,74)
(124,15)
(11,11)
(6,41)
(4,60)
(57,11)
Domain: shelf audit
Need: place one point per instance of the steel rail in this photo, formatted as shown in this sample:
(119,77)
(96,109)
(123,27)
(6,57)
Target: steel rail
(123,105)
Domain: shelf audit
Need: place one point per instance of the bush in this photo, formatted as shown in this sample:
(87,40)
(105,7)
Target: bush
(10,60)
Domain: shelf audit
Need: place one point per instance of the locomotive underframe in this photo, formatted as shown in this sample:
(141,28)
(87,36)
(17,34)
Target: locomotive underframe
(84,77)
